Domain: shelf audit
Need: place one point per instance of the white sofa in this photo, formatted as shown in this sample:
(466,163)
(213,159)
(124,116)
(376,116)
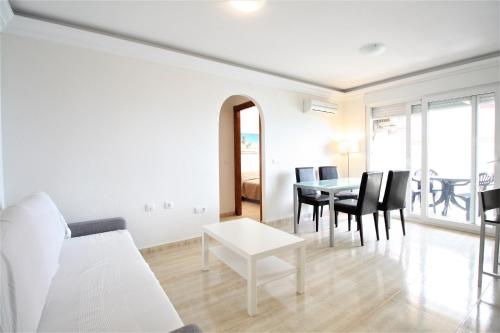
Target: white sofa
(97,282)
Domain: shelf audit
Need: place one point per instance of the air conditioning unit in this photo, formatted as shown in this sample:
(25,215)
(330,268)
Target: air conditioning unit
(320,106)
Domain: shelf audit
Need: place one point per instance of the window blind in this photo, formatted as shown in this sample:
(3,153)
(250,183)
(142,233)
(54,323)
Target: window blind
(388,111)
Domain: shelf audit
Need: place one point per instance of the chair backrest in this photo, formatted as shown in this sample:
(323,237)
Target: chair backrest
(305,174)
(328,172)
(484,180)
(369,192)
(490,199)
(395,190)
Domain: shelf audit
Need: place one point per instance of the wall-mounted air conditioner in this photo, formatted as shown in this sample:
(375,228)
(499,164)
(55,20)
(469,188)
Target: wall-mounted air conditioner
(320,106)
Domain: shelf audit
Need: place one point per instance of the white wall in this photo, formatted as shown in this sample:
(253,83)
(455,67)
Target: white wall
(226,154)
(354,129)
(105,134)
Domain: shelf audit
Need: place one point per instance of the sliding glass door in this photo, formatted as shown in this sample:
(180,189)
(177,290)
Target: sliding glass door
(415,155)
(485,151)
(447,143)
(449,128)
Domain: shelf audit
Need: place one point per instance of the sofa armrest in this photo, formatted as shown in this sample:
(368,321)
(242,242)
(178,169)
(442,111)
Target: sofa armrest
(96,226)
(191,328)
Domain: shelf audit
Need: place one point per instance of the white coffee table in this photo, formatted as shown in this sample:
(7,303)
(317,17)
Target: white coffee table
(248,247)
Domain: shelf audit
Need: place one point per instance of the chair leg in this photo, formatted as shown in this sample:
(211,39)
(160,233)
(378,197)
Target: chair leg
(495,254)
(349,222)
(401,214)
(336,219)
(317,217)
(298,213)
(481,254)
(386,220)
(434,201)
(375,219)
(360,226)
(321,214)
(314,213)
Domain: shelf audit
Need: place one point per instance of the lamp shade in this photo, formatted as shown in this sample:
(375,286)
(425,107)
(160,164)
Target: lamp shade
(348,146)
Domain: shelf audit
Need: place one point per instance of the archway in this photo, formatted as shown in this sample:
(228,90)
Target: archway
(240,158)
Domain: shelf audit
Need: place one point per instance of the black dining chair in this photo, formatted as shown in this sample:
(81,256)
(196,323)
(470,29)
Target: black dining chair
(489,200)
(331,172)
(367,202)
(310,197)
(394,197)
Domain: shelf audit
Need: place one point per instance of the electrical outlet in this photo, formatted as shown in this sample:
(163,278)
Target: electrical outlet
(168,205)
(149,207)
(200,210)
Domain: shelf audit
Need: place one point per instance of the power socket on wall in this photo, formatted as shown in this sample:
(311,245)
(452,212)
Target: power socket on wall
(149,207)
(200,210)
(168,205)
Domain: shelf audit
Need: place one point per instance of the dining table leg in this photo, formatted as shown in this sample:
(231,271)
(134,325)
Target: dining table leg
(332,216)
(295,208)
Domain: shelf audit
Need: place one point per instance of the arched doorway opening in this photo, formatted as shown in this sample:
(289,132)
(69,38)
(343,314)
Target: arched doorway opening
(240,159)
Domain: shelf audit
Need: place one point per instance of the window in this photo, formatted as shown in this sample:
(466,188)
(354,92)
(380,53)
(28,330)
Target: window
(388,137)
(452,139)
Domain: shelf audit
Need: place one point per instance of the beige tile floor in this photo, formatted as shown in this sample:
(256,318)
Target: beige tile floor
(251,210)
(248,209)
(425,281)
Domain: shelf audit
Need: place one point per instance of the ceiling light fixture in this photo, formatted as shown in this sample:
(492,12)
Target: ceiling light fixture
(373,49)
(247,5)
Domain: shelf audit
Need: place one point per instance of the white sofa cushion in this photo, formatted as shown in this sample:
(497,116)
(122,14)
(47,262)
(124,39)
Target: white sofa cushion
(104,284)
(31,237)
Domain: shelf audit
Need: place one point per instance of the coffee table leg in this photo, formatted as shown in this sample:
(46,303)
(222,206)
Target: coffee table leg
(204,251)
(300,254)
(251,287)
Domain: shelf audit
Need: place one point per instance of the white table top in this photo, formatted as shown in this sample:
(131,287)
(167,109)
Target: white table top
(251,238)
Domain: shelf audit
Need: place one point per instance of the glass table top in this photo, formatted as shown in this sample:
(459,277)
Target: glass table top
(331,184)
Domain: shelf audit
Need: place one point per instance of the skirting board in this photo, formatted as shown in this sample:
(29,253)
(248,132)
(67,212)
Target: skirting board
(287,220)
(166,246)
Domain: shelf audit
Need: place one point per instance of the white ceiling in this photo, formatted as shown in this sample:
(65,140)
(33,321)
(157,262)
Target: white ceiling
(311,41)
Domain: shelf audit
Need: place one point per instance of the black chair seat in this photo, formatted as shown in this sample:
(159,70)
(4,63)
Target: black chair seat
(347,206)
(346,195)
(316,199)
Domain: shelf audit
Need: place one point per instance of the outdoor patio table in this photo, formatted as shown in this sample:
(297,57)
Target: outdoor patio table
(448,192)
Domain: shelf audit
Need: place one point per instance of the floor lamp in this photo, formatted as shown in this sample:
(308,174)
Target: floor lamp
(348,147)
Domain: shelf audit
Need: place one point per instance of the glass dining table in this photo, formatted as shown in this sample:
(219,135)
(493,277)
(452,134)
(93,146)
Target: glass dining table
(331,186)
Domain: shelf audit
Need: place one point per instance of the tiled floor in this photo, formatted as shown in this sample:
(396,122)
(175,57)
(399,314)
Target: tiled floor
(425,281)
(251,209)
(248,209)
